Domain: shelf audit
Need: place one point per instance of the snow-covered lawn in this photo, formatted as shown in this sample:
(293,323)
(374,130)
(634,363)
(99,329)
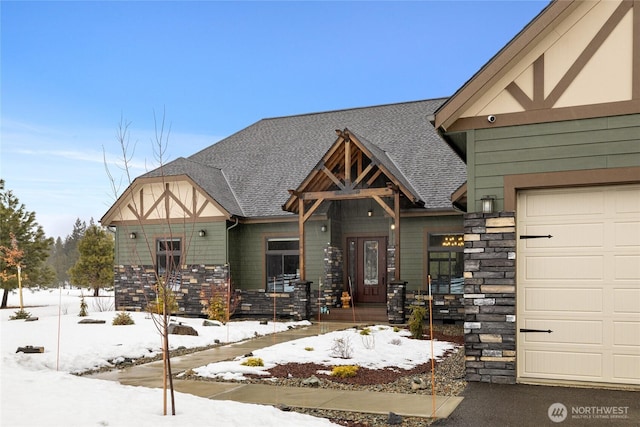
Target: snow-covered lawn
(376,347)
(44,384)
(34,393)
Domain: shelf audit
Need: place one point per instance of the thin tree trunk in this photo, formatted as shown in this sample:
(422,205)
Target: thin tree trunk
(5,297)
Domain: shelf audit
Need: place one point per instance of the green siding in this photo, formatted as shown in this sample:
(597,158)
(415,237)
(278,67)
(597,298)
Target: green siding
(551,147)
(209,249)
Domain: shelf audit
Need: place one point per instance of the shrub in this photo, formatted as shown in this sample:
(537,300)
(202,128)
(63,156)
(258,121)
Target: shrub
(396,341)
(396,329)
(123,319)
(416,321)
(253,361)
(345,371)
(309,348)
(365,331)
(83,307)
(342,348)
(157,305)
(20,314)
(217,309)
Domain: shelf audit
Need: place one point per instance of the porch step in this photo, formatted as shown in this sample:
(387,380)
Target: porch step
(359,314)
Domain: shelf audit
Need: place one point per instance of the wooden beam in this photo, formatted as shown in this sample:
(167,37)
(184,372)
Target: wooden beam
(374,177)
(332,177)
(301,235)
(396,208)
(363,174)
(313,208)
(347,162)
(386,207)
(348,195)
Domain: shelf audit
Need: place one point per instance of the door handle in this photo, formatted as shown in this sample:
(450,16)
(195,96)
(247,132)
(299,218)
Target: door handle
(548,331)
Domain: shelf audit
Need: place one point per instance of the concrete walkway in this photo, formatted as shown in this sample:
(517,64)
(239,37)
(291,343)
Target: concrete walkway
(408,405)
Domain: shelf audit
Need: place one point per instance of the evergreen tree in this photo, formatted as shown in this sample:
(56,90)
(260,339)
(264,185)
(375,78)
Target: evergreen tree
(94,267)
(30,239)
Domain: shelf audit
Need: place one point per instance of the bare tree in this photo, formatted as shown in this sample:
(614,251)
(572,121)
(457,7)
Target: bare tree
(165,277)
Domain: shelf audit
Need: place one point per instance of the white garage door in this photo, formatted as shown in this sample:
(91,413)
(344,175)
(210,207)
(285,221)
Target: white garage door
(582,284)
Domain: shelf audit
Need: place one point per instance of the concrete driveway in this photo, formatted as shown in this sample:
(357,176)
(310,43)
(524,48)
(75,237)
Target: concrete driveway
(519,405)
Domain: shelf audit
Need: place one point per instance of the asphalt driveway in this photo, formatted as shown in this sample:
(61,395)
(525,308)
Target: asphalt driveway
(493,405)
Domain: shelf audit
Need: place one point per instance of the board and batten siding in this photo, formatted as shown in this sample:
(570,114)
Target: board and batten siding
(601,143)
(209,249)
(248,261)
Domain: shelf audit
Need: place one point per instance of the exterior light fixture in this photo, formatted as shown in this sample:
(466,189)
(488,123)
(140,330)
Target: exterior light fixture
(487,203)
(323,228)
(393,226)
(132,235)
(370,212)
(202,233)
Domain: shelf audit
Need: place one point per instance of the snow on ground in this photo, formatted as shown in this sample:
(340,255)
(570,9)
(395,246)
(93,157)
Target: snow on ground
(38,389)
(34,393)
(382,347)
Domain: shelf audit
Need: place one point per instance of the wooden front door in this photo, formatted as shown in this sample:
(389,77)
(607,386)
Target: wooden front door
(368,269)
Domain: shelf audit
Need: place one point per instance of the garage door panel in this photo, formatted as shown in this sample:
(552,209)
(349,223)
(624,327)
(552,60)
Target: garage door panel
(626,368)
(627,267)
(569,365)
(626,201)
(557,204)
(626,301)
(582,235)
(563,300)
(557,267)
(564,331)
(626,333)
(627,234)
(583,284)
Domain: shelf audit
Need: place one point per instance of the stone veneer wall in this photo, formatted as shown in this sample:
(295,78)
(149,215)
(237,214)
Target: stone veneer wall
(333,284)
(444,307)
(489,298)
(259,303)
(134,287)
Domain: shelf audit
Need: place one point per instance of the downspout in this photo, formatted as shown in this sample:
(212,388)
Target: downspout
(226,255)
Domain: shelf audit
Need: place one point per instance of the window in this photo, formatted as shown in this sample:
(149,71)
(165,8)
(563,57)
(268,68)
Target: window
(168,255)
(446,263)
(283,264)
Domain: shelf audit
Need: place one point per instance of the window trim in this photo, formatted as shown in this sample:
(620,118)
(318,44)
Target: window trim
(270,287)
(457,247)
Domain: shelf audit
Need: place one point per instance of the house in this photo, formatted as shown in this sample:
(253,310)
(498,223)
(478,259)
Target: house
(550,132)
(517,199)
(294,211)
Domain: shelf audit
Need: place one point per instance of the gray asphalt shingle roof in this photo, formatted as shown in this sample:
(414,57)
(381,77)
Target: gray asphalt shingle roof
(249,172)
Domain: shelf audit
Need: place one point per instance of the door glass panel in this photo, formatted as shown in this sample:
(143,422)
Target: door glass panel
(370,262)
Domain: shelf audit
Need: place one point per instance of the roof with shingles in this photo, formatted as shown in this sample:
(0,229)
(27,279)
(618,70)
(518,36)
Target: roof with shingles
(249,172)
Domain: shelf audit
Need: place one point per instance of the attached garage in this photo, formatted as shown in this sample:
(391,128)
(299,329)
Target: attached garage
(582,284)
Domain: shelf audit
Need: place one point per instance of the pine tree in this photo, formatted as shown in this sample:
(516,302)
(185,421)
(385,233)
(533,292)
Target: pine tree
(94,267)
(30,238)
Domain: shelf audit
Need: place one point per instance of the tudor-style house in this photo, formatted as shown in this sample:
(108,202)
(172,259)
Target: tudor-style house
(516,201)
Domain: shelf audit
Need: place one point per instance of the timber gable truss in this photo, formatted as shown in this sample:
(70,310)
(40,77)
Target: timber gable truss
(352,169)
(150,200)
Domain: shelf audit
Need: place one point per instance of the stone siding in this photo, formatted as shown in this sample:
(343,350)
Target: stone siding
(490,297)
(445,307)
(294,305)
(135,287)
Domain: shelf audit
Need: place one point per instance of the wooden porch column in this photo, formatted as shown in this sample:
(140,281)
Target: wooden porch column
(301,240)
(396,213)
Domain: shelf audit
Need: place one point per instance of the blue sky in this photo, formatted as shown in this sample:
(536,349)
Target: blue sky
(71,71)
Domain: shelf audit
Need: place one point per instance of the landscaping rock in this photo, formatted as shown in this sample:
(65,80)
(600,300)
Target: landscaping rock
(30,319)
(176,329)
(92,321)
(312,381)
(394,419)
(30,349)
(418,383)
(211,323)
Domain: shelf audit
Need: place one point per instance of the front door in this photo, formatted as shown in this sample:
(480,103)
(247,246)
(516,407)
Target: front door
(368,269)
